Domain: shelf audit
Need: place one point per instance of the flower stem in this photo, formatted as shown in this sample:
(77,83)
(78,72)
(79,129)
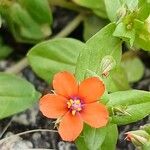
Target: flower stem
(23,63)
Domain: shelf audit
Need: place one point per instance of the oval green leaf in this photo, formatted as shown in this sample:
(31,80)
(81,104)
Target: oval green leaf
(35,6)
(97,48)
(110,139)
(50,57)
(131,106)
(112,8)
(92,24)
(16,95)
(130,63)
(94,137)
(80,143)
(89,3)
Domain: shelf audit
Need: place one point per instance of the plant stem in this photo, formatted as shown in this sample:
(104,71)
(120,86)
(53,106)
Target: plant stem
(26,132)
(70,27)
(23,63)
(6,127)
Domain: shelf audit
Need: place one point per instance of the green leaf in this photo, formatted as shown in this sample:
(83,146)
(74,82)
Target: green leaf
(16,95)
(89,3)
(100,47)
(114,80)
(92,24)
(22,25)
(101,11)
(130,63)
(52,56)
(44,18)
(146,146)
(80,143)
(98,139)
(113,77)
(94,137)
(25,27)
(144,11)
(97,48)
(141,2)
(111,138)
(97,6)
(142,39)
(112,8)
(134,105)
(35,6)
(132,4)
(142,43)
(5,50)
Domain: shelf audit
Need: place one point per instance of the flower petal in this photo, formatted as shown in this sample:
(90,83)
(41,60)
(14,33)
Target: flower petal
(91,89)
(53,106)
(70,127)
(95,114)
(64,83)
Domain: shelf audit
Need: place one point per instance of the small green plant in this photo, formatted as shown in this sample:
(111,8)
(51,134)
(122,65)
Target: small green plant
(109,27)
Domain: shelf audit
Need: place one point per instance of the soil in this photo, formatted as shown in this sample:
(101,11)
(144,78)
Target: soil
(33,119)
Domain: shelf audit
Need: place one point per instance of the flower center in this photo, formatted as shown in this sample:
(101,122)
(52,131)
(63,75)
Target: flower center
(74,105)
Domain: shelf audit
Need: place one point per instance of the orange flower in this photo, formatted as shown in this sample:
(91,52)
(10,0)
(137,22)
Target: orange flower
(74,104)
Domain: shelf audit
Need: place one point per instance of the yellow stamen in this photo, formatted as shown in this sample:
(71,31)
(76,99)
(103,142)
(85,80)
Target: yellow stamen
(78,109)
(69,104)
(77,102)
(74,105)
(73,112)
(71,101)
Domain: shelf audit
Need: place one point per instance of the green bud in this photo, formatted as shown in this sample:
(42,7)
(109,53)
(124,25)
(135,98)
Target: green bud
(138,138)
(129,26)
(107,64)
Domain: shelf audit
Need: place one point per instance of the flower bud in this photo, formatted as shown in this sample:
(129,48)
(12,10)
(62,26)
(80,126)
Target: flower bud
(138,137)
(107,64)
